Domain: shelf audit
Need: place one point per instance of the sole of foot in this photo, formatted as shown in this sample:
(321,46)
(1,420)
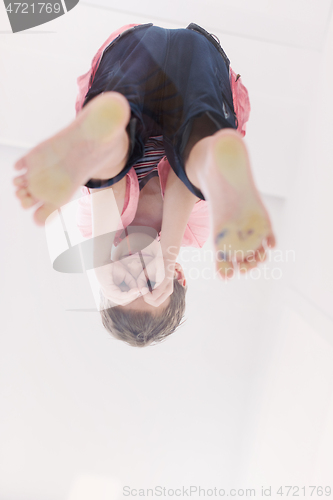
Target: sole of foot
(57,167)
(241,224)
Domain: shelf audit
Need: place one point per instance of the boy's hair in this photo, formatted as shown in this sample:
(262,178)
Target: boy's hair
(141,328)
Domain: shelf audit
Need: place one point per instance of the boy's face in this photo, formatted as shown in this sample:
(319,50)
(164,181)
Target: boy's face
(135,261)
(135,252)
(138,240)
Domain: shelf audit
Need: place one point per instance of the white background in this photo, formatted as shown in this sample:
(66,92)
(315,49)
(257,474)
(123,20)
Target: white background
(242,394)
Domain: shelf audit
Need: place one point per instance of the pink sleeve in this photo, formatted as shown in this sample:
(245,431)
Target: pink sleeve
(198,226)
(84,81)
(84,211)
(241,101)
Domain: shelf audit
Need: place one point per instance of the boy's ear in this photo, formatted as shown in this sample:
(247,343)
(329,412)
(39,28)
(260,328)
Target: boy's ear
(179,274)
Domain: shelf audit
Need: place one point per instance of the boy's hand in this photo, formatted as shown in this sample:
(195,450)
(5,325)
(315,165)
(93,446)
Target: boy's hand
(160,293)
(117,284)
(161,281)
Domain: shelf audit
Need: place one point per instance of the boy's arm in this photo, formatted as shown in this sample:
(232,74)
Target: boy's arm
(177,207)
(105,220)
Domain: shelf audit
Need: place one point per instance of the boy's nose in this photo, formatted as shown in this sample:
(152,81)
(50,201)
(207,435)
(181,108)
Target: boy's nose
(135,267)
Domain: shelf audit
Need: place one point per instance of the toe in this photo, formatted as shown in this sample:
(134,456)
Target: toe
(270,240)
(20,164)
(246,266)
(261,255)
(25,197)
(28,202)
(20,181)
(21,193)
(43,212)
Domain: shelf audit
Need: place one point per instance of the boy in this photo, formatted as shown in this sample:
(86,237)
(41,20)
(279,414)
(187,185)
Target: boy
(154,99)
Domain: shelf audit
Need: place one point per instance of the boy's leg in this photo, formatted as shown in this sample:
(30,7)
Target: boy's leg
(201,127)
(94,145)
(207,153)
(219,166)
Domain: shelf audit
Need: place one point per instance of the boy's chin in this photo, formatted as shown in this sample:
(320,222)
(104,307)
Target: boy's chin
(136,241)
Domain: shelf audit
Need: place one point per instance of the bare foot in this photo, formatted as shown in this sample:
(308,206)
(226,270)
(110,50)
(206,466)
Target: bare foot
(241,225)
(95,142)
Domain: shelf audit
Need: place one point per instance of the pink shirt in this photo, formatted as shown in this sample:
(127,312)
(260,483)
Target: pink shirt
(197,229)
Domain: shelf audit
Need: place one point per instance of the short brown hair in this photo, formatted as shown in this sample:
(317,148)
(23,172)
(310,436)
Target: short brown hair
(141,328)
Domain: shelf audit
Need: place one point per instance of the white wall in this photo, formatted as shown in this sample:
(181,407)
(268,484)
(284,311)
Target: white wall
(294,426)
(310,205)
(242,394)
